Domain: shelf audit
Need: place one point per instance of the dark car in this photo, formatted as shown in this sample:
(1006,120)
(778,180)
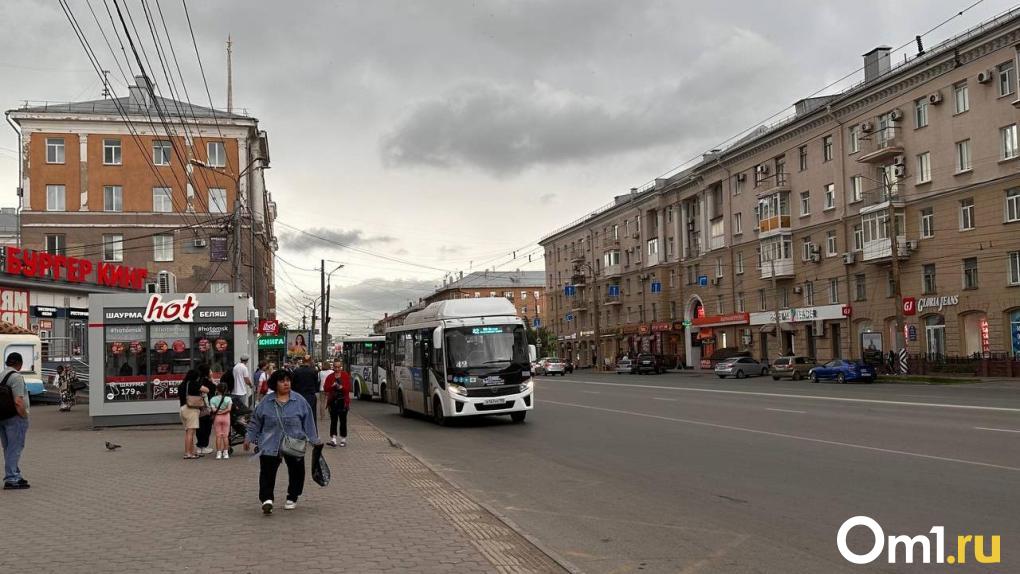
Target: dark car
(569,365)
(648,363)
(841,371)
(794,367)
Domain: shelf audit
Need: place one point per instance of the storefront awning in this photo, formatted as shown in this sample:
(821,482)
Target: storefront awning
(771,328)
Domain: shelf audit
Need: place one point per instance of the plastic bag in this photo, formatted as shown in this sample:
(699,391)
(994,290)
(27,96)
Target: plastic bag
(320,470)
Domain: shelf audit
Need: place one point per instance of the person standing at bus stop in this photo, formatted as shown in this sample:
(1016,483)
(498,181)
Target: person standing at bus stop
(338,400)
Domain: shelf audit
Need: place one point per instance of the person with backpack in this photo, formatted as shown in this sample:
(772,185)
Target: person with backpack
(13,420)
(338,401)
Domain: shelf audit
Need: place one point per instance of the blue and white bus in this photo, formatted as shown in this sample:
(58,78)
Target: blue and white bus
(362,358)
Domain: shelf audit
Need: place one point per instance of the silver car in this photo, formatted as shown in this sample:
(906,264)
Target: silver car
(623,366)
(740,367)
(553,366)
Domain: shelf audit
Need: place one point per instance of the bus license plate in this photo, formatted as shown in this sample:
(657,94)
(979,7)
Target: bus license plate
(493,401)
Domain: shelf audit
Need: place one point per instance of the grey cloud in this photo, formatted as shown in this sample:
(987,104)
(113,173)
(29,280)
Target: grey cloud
(547,198)
(325,238)
(381,296)
(446,250)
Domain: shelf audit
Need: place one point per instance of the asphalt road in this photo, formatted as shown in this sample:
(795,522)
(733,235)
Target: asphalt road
(689,473)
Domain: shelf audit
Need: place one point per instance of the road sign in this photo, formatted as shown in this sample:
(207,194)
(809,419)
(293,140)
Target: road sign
(848,310)
(703,280)
(570,316)
(909,306)
(537,322)
(912,332)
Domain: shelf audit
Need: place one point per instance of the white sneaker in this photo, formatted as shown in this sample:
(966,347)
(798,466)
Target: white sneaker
(226,454)
(267,507)
(206,450)
(343,442)
(289,505)
(219,455)
(332,442)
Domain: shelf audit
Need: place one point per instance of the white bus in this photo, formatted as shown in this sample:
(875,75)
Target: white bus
(362,357)
(461,357)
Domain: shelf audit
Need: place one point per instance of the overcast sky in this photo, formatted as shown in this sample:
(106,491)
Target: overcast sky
(446,136)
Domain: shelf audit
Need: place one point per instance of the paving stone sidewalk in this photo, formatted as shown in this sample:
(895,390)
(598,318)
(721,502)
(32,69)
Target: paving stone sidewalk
(143,509)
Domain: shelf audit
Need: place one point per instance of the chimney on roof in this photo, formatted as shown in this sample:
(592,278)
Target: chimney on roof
(140,93)
(876,62)
(461,276)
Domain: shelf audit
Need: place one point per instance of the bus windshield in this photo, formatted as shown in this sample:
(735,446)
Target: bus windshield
(493,347)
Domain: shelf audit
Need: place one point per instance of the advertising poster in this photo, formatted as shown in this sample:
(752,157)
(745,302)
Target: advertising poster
(214,344)
(297,344)
(871,347)
(125,368)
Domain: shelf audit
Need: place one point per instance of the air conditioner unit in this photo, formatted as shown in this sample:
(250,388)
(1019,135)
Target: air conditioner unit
(900,170)
(900,160)
(986,76)
(912,245)
(762,169)
(690,225)
(151,288)
(816,257)
(716,280)
(636,234)
(199,242)
(867,127)
(741,177)
(848,258)
(815,249)
(797,289)
(166,282)
(896,114)
(935,99)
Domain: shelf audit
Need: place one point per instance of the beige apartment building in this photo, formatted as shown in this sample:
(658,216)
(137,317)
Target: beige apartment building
(795,217)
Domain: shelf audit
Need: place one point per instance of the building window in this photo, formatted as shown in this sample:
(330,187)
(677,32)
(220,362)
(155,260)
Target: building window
(653,247)
(928,279)
(834,290)
(1007,138)
(217,200)
(970,273)
(784,298)
(920,112)
(890,284)
(761,300)
(855,139)
(162,200)
(219,287)
(830,196)
(738,224)
(54,150)
(927,222)
(740,263)
(830,243)
(858,237)
(809,293)
(1014,267)
(963,156)
(802,155)
(924,167)
(1013,204)
(217,154)
(718,306)
(161,152)
(113,248)
(961,97)
(740,303)
(111,152)
(860,287)
(826,148)
(616,232)
(163,247)
(113,198)
(718,266)
(56,244)
(1007,78)
(966,214)
(56,198)
(806,248)
(805,203)
(856,188)
(738,183)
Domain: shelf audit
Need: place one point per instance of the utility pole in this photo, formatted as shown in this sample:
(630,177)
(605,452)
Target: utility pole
(303,324)
(325,322)
(236,264)
(322,294)
(311,340)
(894,250)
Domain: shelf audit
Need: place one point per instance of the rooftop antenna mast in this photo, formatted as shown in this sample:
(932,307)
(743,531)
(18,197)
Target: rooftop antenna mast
(230,77)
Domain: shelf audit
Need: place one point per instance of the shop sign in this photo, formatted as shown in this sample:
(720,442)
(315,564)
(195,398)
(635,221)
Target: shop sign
(661,326)
(937,302)
(909,306)
(986,346)
(272,342)
(45,324)
(75,313)
(629,330)
(824,312)
(706,363)
(17,261)
(46,312)
(269,327)
(680,325)
(644,329)
(912,332)
(848,311)
(183,310)
(731,319)
(14,307)
(587,333)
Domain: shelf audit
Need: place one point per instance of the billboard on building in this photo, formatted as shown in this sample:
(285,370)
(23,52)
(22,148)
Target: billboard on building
(297,344)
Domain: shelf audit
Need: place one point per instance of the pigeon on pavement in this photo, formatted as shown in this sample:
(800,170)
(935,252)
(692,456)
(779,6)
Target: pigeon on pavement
(111,446)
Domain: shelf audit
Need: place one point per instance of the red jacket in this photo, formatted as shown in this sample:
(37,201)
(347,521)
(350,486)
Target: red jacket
(344,387)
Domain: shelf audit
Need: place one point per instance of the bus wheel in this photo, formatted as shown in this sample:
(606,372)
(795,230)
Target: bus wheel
(518,417)
(400,404)
(437,412)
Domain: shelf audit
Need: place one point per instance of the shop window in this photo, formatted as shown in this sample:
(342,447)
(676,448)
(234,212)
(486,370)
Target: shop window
(1014,332)
(935,334)
(214,344)
(975,334)
(125,368)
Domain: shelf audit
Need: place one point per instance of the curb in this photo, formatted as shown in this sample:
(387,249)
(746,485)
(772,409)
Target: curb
(540,546)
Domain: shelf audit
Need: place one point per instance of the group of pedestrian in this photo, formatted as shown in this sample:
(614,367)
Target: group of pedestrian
(206,406)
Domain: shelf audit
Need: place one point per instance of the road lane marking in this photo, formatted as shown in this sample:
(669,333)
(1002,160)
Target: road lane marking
(592,392)
(809,397)
(787,411)
(997,430)
(664,399)
(791,436)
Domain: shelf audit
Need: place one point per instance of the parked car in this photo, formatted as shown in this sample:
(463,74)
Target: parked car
(793,367)
(553,366)
(623,366)
(648,363)
(842,371)
(536,369)
(569,364)
(740,367)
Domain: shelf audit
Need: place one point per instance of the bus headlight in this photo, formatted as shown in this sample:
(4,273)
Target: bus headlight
(457,389)
(527,386)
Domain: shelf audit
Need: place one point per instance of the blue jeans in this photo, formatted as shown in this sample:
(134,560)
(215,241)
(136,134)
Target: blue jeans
(12,437)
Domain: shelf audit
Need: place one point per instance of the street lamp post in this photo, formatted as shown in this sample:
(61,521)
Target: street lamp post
(324,280)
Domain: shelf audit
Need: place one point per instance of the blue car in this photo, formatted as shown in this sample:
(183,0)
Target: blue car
(842,371)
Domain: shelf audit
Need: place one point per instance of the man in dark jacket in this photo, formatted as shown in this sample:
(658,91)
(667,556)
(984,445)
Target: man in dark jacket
(306,384)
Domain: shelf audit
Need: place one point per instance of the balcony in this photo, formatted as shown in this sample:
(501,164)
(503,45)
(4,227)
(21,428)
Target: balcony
(612,270)
(612,300)
(579,280)
(887,146)
(783,267)
(653,259)
(879,250)
(576,257)
(775,184)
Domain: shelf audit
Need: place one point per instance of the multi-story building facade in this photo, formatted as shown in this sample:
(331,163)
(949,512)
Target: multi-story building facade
(796,217)
(150,183)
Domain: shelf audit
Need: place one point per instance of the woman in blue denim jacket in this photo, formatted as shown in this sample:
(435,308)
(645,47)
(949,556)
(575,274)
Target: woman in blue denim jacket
(281,412)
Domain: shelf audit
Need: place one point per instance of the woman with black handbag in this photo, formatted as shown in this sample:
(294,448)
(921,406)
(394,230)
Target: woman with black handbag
(282,426)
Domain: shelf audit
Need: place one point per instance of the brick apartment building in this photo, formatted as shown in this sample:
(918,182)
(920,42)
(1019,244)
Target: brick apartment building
(151,183)
(796,216)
